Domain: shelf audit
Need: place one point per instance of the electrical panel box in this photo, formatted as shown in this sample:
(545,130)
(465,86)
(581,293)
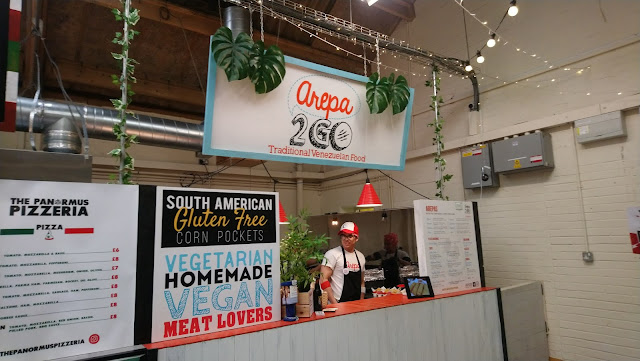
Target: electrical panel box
(603,126)
(477,167)
(525,152)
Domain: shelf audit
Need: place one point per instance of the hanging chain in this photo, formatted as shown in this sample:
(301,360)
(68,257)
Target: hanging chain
(378,54)
(364,56)
(262,23)
(350,15)
(250,22)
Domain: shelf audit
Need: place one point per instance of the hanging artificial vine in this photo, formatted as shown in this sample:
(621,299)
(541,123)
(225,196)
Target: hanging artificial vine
(129,17)
(384,91)
(241,58)
(438,122)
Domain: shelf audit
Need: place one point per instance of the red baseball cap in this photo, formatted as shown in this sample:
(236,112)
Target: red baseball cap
(348,228)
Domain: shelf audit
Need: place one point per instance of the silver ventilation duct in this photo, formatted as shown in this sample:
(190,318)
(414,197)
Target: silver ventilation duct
(61,137)
(236,18)
(150,130)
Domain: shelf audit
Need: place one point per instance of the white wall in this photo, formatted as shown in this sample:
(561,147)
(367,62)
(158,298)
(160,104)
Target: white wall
(536,224)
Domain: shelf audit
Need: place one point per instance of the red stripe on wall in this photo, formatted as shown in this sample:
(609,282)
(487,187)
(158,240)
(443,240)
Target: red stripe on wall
(77,230)
(14,25)
(9,122)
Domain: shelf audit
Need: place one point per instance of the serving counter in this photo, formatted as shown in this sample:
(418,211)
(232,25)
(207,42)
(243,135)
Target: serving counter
(457,326)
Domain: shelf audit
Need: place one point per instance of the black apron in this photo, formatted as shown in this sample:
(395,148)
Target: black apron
(391,268)
(352,281)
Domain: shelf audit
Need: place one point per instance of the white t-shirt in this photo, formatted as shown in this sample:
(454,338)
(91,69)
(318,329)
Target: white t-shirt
(333,259)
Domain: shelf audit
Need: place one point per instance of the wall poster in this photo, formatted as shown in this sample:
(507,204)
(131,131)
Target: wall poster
(217,261)
(448,246)
(67,268)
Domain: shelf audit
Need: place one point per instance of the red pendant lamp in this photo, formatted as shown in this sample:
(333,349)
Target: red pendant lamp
(368,197)
(283,215)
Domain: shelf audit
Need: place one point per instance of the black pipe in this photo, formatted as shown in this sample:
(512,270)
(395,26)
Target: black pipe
(475,106)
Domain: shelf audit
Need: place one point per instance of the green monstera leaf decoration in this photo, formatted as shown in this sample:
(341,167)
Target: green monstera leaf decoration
(377,94)
(266,68)
(399,93)
(232,55)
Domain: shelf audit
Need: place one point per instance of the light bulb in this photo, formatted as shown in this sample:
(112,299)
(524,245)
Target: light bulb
(492,41)
(513,9)
(468,67)
(479,57)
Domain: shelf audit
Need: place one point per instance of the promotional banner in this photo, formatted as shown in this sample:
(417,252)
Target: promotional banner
(317,115)
(217,261)
(447,248)
(67,268)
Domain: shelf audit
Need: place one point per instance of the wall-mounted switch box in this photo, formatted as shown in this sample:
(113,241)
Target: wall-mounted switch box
(526,152)
(477,167)
(603,126)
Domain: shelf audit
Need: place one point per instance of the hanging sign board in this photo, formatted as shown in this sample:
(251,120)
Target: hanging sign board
(217,261)
(448,246)
(67,268)
(317,115)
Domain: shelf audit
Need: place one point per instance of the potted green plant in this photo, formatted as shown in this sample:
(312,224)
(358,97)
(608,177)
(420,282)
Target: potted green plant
(299,246)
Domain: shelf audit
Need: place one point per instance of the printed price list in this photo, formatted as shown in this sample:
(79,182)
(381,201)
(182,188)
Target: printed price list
(50,289)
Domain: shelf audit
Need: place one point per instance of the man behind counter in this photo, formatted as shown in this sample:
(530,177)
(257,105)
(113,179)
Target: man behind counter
(342,275)
(392,259)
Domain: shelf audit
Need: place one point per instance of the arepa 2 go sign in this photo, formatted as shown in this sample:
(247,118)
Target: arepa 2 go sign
(317,115)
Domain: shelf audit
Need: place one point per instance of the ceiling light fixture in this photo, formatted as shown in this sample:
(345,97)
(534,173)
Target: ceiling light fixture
(479,57)
(492,41)
(368,197)
(370,2)
(513,9)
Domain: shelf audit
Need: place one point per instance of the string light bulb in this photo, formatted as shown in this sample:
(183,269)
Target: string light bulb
(479,58)
(492,41)
(468,67)
(513,9)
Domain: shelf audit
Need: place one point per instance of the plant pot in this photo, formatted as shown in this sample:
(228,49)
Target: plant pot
(304,307)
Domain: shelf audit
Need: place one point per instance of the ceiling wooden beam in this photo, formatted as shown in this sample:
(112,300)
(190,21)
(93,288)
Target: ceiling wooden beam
(77,74)
(400,8)
(207,25)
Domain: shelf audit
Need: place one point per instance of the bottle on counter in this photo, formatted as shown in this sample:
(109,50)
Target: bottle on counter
(317,296)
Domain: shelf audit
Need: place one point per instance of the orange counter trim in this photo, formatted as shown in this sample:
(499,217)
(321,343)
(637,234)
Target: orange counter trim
(343,309)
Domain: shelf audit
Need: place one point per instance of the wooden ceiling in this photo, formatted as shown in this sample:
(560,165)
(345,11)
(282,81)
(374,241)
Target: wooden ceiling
(172,48)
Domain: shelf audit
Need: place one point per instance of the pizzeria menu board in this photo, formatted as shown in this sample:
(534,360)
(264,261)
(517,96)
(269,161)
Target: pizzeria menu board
(67,268)
(217,261)
(447,248)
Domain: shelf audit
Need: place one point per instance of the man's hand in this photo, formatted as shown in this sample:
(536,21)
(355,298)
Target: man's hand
(326,273)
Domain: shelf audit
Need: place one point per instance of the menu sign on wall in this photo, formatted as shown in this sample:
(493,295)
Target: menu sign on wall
(447,248)
(217,262)
(317,115)
(67,268)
